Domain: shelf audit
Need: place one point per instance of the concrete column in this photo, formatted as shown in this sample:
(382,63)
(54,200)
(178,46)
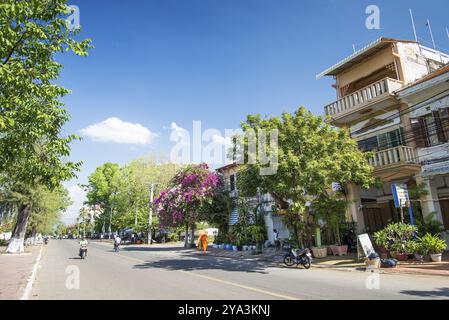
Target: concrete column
(429,202)
(270,226)
(355,212)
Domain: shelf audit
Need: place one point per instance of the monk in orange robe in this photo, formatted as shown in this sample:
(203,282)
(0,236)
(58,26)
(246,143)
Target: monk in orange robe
(202,243)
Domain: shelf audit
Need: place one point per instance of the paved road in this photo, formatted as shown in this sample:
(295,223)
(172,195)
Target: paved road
(173,273)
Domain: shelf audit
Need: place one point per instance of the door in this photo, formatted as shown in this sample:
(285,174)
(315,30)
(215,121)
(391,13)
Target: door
(444,204)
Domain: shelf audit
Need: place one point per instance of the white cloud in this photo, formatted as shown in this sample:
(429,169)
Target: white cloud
(218,139)
(78,196)
(118,131)
(177,131)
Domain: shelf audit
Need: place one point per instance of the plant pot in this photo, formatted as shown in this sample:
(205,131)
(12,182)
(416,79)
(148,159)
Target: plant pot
(401,256)
(319,252)
(436,257)
(339,250)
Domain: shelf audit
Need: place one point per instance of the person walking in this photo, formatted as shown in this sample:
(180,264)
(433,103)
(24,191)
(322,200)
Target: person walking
(202,241)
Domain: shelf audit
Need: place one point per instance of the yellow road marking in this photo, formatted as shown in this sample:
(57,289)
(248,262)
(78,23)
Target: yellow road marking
(221,281)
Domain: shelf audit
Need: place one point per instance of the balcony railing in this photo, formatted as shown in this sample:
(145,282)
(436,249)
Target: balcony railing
(358,98)
(397,155)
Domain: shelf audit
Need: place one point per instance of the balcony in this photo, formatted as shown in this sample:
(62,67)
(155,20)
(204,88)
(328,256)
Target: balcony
(395,163)
(359,101)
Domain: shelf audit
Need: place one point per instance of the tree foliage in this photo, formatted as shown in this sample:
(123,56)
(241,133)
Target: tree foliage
(126,191)
(311,156)
(189,190)
(33,152)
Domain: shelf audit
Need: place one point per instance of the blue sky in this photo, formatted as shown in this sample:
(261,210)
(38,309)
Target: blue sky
(159,62)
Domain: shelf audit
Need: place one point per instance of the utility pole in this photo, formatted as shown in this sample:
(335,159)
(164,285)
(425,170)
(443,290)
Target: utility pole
(150,216)
(84,226)
(110,221)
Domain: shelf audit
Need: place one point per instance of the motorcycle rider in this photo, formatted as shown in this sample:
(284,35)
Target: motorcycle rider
(83,244)
(117,241)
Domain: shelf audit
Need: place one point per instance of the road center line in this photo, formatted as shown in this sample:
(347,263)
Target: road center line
(277,295)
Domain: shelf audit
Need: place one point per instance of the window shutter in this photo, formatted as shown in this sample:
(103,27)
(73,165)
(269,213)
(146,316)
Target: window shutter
(418,132)
(439,127)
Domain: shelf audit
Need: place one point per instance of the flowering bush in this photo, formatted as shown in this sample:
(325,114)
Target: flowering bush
(189,189)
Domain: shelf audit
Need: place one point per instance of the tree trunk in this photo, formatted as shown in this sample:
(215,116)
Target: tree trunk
(192,236)
(186,240)
(16,243)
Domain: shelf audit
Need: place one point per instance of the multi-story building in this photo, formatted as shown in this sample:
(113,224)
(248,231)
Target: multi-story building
(377,89)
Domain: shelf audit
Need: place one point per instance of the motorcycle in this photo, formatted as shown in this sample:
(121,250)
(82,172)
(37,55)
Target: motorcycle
(116,247)
(299,257)
(83,253)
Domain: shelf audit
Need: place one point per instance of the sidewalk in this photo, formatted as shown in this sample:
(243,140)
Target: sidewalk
(343,263)
(350,263)
(15,271)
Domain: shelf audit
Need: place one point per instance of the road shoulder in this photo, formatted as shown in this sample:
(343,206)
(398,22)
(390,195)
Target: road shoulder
(16,272)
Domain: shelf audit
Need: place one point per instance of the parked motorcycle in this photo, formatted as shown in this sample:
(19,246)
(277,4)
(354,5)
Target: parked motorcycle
(116,247)
(299,257)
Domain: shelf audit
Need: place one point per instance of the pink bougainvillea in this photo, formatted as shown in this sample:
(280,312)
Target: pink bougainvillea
(188,191)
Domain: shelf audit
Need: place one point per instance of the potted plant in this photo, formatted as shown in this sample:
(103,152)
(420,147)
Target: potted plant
(396,238)
(331,209)
(319,252)
(433,246)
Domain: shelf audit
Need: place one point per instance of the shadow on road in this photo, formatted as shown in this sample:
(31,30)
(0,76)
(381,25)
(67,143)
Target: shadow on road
(188,262)
(153,249)
(441,292)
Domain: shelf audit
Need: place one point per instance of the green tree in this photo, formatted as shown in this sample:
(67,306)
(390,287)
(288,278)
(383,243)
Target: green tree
(126,191)
(311,156)
(103,189)
(46,209)
(32,148)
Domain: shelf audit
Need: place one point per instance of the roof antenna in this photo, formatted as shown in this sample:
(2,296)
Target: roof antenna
(433,39)
(447,32)
(353,47)
(413,24)
(431,34)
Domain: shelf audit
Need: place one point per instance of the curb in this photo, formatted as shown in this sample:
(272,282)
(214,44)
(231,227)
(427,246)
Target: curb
(32,278)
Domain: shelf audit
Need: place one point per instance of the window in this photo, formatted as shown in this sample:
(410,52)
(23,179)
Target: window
(436,128)
(232,182)
(390,139)
(383,141)
(369,144)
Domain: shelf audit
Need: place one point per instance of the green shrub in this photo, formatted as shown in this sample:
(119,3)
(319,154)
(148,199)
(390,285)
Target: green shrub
(430,224)
(396,237)
(432,244)
(3,243)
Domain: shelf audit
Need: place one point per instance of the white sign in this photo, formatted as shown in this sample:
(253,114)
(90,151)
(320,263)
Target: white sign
(366,244)
(400,194)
